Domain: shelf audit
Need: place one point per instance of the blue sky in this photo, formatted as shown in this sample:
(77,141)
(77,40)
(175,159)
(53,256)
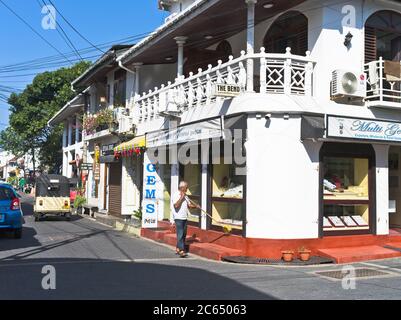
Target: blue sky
(100,21)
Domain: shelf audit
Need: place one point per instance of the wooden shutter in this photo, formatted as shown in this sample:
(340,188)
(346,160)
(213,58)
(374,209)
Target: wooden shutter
(370,44)
(303,40)
(115,177)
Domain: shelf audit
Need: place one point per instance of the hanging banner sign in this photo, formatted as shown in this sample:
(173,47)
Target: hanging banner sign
(149,203)
(227,90)
(366,129)
(96,164)
(193,132)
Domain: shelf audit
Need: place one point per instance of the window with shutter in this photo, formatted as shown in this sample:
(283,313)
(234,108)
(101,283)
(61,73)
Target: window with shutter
(383,36)
(370,44)
(289,30)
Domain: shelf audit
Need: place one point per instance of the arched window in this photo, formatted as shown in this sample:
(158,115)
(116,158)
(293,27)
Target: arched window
(223,51)
(201,58)
(289,30)
(383,36)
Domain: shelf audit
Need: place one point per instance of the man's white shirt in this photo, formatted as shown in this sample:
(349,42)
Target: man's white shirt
(181,213)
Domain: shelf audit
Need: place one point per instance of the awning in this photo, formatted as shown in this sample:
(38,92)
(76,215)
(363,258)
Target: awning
(138,142)
(186,133)
(312,127)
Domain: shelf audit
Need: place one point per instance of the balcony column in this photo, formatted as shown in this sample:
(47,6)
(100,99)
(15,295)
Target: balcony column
(69,132)
(137,66)
(65,134)
(180,61)
(250,43)
(77,126)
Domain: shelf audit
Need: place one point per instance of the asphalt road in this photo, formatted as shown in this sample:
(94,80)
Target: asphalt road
(92,261)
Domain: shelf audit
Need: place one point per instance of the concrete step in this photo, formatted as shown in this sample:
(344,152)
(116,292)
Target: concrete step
(213,251)
(155,234)
(171,239)
(358,254)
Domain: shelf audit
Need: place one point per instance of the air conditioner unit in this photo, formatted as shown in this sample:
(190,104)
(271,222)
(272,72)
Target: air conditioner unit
(348,84)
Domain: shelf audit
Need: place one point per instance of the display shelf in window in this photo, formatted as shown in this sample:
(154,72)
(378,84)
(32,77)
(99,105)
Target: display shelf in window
(360,221)
(326,223)
(349,222)
(336,222)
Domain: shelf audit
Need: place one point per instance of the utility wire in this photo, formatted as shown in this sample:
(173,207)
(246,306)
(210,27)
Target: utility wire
(62,32)
(30,27)
(73,28)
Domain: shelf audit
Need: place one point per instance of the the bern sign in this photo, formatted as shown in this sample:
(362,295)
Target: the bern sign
(227,90)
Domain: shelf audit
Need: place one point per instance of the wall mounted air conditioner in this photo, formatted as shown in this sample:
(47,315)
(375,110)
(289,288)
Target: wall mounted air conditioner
(348,84)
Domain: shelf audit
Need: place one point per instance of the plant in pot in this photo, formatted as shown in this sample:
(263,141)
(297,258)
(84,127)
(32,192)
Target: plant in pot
(287,255)
(78,203)
(105,118)
(304,254)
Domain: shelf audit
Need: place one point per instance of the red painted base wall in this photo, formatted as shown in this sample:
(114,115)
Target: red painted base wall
(268,248)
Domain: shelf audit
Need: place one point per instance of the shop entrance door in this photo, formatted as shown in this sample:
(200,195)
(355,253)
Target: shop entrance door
(394,176)
(115,177)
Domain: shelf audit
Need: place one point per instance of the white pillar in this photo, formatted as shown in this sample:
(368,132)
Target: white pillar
(250,42)
(382,190)
(69,132)
(180,62)
(137,67)
(65,134)
(77,125)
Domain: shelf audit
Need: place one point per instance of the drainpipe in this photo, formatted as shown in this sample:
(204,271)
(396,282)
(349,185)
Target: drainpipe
(120,64)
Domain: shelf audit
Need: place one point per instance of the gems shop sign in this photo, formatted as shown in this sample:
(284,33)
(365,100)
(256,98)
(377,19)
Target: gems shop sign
(366,129)
(149,203)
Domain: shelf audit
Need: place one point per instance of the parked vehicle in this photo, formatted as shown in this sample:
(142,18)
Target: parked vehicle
(52,197)
(11,216)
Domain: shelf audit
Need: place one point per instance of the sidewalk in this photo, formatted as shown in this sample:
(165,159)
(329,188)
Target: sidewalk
(132,226)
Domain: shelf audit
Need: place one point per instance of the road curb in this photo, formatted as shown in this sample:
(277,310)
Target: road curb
(116,223)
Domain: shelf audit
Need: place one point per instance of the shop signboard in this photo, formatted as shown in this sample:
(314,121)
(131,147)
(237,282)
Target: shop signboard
(149,203)
(193,132)
(363,129)
(227,90)
(86,166)
(96,164)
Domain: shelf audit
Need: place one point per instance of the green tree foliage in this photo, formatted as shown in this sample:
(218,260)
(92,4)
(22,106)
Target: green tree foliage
(31,110)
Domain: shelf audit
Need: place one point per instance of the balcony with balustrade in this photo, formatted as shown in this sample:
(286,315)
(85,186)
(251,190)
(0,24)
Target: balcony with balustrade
(384,88)
(260,73)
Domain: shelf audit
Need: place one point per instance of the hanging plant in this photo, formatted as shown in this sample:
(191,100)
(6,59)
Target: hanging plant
(104,117)
(90,123)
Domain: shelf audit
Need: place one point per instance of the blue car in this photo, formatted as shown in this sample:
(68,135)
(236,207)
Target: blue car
(11,217)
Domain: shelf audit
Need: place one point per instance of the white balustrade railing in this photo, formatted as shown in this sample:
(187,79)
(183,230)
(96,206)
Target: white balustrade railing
(278,74)
(381,88)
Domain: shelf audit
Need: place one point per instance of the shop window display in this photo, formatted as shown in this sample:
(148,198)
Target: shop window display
(346,193)
(227,196)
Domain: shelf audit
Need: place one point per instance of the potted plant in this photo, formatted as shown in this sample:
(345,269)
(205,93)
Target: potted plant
(287,255)
(78,203)
(304,254)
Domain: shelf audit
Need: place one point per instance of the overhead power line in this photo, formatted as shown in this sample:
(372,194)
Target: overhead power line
(60,30)
(30,27)
(73,28)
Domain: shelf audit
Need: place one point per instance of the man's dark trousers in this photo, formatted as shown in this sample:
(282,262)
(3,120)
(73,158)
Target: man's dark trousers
(181,228)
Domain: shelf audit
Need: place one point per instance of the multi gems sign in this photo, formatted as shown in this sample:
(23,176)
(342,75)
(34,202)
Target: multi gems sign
(367,129)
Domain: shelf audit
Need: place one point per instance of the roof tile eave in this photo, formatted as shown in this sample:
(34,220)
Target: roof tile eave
(161,29)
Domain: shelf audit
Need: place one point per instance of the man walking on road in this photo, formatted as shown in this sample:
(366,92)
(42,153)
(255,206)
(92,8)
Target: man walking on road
(180,205)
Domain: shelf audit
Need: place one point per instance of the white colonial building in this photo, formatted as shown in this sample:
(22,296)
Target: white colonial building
(315,87)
